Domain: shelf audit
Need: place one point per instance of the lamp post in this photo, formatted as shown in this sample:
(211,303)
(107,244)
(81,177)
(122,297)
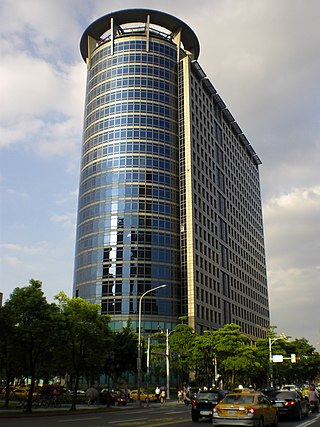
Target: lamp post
(168,360)
(168,363)
(271,342)
(139,338)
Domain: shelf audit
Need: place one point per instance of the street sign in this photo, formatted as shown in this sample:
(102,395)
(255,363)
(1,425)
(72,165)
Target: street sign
(276,358)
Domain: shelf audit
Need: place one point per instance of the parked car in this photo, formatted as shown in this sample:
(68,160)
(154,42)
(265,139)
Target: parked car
(203,403)
(20,392)
(113,397)
(290,403)
(245,408)
(79,393)
(144,396)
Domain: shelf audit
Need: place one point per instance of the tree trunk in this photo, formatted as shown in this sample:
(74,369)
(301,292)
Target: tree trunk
(7,394)
(30,394)
(74,397)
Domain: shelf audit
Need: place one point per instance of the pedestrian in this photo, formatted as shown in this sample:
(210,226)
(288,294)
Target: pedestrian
(314,398)
(157,392)
(162,396)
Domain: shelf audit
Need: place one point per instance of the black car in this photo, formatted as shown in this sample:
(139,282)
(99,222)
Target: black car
(290,403)
(204,402)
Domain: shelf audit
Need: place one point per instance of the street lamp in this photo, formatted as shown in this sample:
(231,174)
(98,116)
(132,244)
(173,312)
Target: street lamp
(139,338)
(168,360)
(282,336)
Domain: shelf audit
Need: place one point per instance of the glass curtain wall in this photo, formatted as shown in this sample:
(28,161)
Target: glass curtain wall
(128,235)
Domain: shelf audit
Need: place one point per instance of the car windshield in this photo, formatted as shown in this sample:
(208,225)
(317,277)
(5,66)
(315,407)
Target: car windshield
(208,396)
(238,398)
(283,395)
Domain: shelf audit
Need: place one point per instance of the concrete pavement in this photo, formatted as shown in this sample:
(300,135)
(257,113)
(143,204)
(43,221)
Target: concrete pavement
(83,408)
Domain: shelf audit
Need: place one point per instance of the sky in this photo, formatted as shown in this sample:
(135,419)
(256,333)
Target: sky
(262,56)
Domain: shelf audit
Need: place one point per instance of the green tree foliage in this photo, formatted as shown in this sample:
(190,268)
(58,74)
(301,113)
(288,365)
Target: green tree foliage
(204,358)
(41,340)
(181,341)
(232,351)
(86,337)
(157,355)
(306,367)
(9,350)
(36,329)
(124,354)
(180,345)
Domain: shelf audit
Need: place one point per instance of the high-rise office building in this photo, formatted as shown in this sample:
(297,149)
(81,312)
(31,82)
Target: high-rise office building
(169,187)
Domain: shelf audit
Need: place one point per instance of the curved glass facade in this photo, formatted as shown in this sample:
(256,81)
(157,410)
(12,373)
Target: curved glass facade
(128,234)
(169,186)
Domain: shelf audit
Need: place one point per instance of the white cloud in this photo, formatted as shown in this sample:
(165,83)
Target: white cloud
(64,198)
(44,29)
(12,261)
(26,249)
(292,228)
(42,107)
(66,220)
(15,193)
(292,240)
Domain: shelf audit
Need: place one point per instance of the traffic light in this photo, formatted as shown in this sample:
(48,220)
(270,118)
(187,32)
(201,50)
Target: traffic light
(293,358)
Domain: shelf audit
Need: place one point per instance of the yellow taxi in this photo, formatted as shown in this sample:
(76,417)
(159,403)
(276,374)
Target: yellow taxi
(20,392)
(144,396)
(245,408)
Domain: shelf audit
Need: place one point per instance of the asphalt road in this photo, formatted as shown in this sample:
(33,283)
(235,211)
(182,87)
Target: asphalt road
(170,414)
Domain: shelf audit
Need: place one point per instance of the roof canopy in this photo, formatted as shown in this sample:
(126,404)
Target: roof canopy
(169,22)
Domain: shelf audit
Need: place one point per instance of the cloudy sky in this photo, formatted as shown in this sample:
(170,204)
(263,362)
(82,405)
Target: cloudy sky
(263,58)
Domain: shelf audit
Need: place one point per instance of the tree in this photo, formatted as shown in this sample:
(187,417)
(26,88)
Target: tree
(157,355)
(124,356)
(86,338)
(233,353)
(204,357)
(36,328)
(181,342)
(9,356)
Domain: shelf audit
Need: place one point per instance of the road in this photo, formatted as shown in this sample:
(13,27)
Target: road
(170,414)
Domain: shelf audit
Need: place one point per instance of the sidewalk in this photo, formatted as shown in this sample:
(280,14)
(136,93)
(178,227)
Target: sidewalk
(83,408)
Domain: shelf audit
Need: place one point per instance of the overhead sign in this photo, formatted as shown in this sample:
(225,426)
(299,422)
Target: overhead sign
(277,358)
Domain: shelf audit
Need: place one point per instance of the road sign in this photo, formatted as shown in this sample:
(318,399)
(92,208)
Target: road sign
(276,358)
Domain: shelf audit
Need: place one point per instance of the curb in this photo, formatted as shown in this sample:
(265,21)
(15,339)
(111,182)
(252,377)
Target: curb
(83,409)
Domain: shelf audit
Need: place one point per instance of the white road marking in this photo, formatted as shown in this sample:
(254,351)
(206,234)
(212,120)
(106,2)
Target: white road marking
(69,420)
(127,421)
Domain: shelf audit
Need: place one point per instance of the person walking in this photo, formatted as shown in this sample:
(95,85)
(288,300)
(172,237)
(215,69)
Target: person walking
(314,398)
(163,396)
(157,392)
